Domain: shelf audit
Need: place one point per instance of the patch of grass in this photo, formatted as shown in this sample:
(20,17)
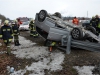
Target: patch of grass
(17,63)
(47,72)
(68,71)
(28,72)
(21,63)
(5,60)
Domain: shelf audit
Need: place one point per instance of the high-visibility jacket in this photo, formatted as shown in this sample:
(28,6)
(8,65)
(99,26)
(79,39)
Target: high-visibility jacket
(6,33)
(97,20)
(15,29)
(53,43)
(75,21)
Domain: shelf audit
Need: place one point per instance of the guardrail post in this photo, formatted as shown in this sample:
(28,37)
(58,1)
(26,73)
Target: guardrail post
(68,48)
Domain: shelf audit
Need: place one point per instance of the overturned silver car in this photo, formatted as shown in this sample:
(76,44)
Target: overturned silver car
(53,29)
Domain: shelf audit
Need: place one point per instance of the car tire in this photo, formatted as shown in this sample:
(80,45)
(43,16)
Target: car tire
(42,15)
(77,33)
(57,14)
(92,29)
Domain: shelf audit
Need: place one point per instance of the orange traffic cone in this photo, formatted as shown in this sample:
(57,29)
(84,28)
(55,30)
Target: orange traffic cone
(50,48)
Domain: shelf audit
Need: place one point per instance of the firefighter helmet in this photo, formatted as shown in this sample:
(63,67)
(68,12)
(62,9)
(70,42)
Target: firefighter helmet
(32,20)
(96,15)
(15,20)
(93,16)
(6,22)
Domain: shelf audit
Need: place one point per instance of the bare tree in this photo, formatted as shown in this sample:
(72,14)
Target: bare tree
(2,17)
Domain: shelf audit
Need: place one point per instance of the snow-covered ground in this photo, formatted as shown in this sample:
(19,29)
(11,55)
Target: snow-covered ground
(45,60)
(85,70)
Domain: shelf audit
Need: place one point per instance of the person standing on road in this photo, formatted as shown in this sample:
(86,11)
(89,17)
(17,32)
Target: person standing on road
(32,29)
(6,35)
(75,21)
(15,33)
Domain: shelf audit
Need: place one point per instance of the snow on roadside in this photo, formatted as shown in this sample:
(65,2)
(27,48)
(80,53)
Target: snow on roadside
(19,72)
(31,52)
(24,43)
(85,70)
(45,59)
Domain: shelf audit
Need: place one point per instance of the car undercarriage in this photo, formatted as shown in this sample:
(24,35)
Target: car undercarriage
(65,34)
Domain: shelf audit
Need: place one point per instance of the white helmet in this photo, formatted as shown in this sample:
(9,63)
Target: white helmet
(15,20)
(6,22)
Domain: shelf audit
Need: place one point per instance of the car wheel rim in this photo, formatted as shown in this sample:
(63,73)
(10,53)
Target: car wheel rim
(75,33)
(42,14)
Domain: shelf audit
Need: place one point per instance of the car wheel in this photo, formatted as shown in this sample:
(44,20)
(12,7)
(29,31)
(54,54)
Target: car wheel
(92,29)
(77,33)
(42,15)
(57,14)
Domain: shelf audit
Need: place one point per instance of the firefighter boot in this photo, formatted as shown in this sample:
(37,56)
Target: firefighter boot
(18,43)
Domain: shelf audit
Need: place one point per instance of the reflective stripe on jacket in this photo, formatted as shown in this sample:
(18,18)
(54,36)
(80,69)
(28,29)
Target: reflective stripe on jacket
(15,29)
(31,26)
(6,32)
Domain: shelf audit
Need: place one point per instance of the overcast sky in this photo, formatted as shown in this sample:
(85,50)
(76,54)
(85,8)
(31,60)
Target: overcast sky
(28,8)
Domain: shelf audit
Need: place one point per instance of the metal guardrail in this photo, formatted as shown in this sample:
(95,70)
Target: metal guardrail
(68,42)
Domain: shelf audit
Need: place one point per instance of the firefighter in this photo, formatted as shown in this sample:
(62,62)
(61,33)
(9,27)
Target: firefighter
(6,35)
(51,46)
(32,29)
(92,22)
(75,21)
(97,21)
(15,33)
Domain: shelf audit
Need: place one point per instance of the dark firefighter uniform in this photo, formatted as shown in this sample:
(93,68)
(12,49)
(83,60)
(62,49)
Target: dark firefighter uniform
(6,35)
(93,23)
(32,29)
(97,21)
(15,31)
(50,44)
